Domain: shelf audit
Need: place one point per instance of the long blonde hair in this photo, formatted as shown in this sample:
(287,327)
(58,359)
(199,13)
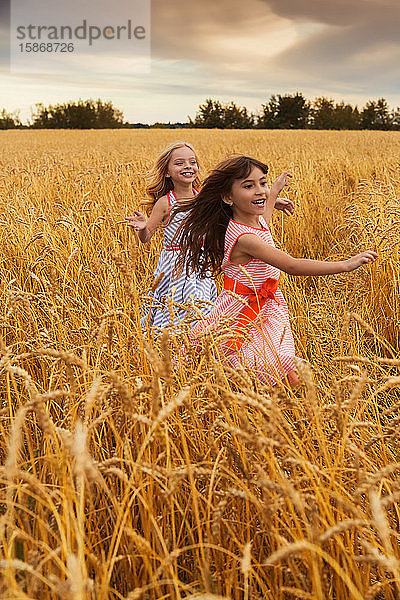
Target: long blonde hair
(158,184)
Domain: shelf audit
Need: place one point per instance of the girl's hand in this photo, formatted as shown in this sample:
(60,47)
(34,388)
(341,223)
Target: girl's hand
(280,182)
(285,205)
(360,259)
(138,221)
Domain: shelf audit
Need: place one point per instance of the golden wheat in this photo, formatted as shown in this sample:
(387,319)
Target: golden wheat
(132,470)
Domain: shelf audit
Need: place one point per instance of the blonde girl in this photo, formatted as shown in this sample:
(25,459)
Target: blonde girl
(173,181)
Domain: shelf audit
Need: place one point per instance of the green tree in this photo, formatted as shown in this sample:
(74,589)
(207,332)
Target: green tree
(285,112)
(209,115)
(88,114)
(236,117)
(9,120)
(375,115)
(395,118)
(269,111)
(346,117)
(213,114)
(322,114)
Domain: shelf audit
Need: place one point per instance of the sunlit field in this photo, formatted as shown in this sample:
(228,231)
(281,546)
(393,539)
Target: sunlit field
(131,470)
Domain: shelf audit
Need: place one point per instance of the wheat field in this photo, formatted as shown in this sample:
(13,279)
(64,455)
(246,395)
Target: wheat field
(129,474)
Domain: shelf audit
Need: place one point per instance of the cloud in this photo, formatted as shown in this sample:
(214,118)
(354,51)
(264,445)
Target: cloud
(359,37)
(4,31)
(366,53)
(339,12)
(4,11)
(214,33)
(341,45)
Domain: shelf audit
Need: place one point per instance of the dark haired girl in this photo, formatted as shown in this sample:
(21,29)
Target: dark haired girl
(226,229)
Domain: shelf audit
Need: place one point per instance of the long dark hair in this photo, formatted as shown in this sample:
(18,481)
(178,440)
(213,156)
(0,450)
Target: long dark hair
(201,235)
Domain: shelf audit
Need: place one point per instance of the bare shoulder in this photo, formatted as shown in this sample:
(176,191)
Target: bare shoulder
(243,250)
(163,200)
(161,206)
(249,239)
(160,213)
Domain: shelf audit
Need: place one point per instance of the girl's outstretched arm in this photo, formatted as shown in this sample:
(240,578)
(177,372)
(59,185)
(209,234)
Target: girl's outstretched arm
(146,229)
(253,246)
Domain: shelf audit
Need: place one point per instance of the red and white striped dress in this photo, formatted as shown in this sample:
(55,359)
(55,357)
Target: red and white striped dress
(270,353)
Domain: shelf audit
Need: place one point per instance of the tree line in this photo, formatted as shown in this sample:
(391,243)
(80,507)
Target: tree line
(287,111)
(294,111)
(84,114)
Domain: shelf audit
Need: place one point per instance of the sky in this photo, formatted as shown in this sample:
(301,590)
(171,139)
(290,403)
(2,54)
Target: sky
(240,50)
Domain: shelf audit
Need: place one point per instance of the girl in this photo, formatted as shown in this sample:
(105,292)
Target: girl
(231,214)
(173,183)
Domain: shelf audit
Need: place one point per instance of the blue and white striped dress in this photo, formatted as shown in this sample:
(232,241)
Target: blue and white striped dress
(156,309)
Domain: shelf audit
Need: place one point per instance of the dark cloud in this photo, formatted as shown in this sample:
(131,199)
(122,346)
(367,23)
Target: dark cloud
(4,11)
(354,44)
(193,32)
(336,12)
(4,32)
(347,29)
(364,52)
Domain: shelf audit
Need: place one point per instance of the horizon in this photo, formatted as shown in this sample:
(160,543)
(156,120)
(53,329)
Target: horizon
(185,122)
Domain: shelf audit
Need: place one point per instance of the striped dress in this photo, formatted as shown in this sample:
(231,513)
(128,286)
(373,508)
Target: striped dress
(156,311)
(268,346)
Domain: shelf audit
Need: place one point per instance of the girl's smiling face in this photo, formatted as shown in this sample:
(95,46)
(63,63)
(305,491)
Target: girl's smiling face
(182,166)
(248,196)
